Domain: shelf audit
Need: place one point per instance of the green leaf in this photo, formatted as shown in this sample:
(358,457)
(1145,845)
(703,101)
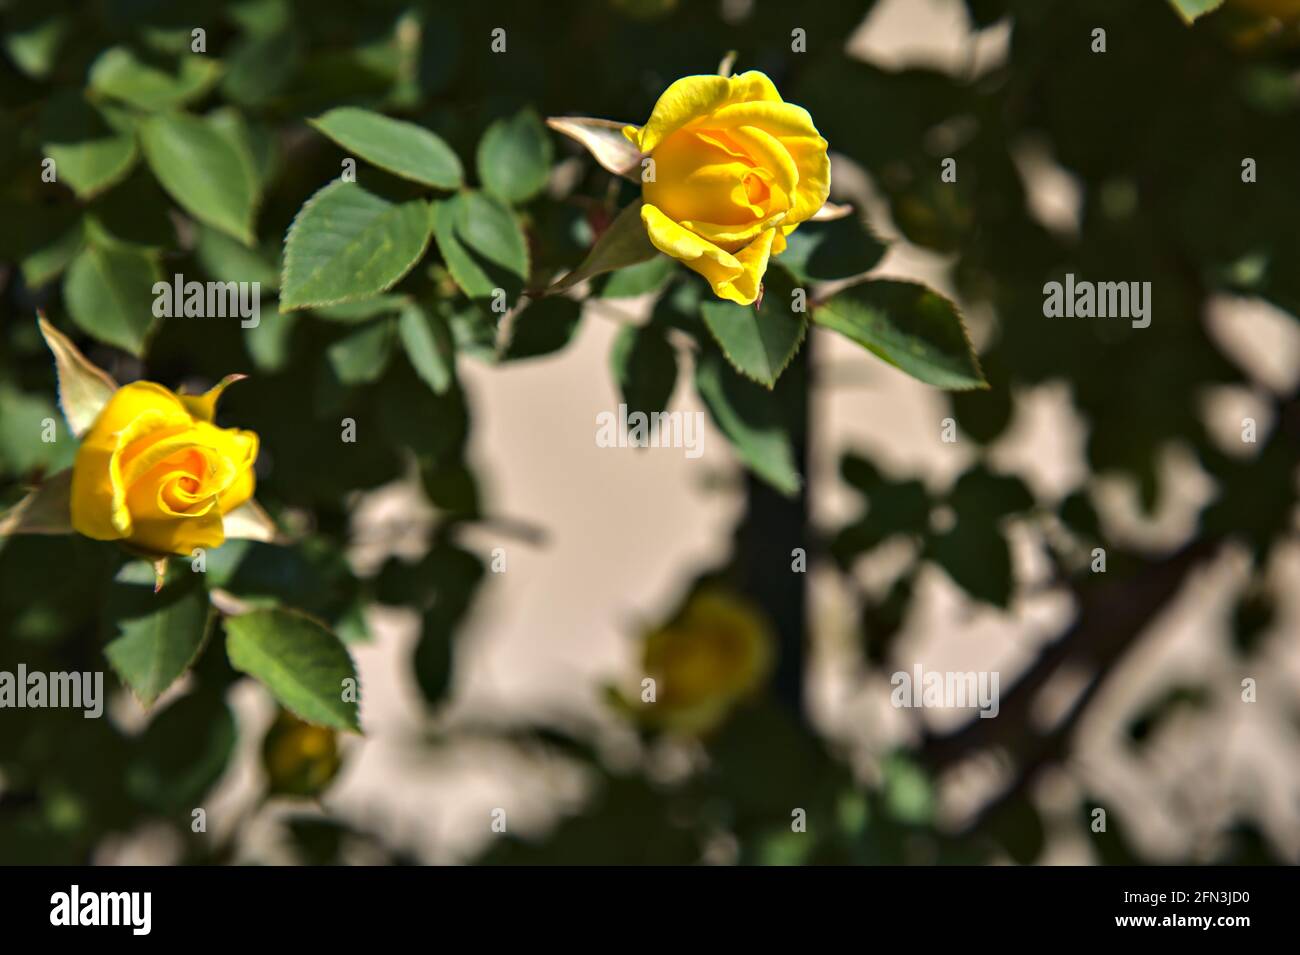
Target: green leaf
(202,171)
(45,510)
(624,243)
(109,294)
(514,157)
(429,346)
(644,366)
(647,276)
(48,261)
(226,260)
(360,357)
(908,792)
(159,635)
(826,251)
(483,245)
(182,753)
(348,244)
(33,46)
(402,148)
(120,74)
(299,661)
(24,417)
(230,124)
(759,344)
(260,66)
(1189,10)
(350,313)
(89,154)
(750,419)
(908,325)
(84,388)
(545,326)
(268,341)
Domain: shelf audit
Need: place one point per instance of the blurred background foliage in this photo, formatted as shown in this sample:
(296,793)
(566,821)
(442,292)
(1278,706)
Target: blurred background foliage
(1154,131)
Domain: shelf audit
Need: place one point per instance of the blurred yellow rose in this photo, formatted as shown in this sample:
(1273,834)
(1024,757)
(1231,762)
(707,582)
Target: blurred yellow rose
(735,171)
(154,472)
(716,652)
(300,759)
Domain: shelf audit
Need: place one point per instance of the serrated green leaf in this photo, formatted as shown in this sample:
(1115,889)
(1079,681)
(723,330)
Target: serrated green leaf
(160,636)
(429,346)
(758,343)
(402,148)
(514,157)
(348,244)
(200,169)
(299,661)
(748,416)
(109,294)
(910,326)
(120,74)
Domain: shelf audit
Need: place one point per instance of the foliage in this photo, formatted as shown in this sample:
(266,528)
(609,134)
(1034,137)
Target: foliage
(231,164)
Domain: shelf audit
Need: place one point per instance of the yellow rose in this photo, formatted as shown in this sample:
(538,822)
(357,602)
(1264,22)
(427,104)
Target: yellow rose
(736,170)
(716,652)
(154,472)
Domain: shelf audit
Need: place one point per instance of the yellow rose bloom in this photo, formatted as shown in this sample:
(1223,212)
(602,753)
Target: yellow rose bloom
(736,169)
(716,652)
(154,472)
